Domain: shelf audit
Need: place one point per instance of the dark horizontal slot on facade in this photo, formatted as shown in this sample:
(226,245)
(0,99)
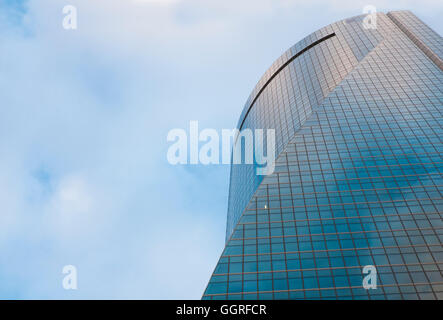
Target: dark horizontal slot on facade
(281,68)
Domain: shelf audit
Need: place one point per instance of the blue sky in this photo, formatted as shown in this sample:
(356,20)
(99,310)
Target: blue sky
(84,117)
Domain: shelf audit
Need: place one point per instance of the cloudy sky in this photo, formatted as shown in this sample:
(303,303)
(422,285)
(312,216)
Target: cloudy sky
(84,116)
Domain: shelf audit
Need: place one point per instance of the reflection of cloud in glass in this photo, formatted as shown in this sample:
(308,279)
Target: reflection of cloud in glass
(83,173)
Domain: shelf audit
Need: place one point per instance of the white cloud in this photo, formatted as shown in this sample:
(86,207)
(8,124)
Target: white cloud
(92,107)
(73,196)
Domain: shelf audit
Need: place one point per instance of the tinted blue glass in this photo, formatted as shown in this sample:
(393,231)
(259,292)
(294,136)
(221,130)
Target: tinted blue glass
(358,178)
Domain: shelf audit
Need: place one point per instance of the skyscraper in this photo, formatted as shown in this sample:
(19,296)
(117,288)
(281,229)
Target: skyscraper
(357,112)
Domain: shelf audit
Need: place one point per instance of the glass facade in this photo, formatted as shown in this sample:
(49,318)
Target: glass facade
(358,177)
